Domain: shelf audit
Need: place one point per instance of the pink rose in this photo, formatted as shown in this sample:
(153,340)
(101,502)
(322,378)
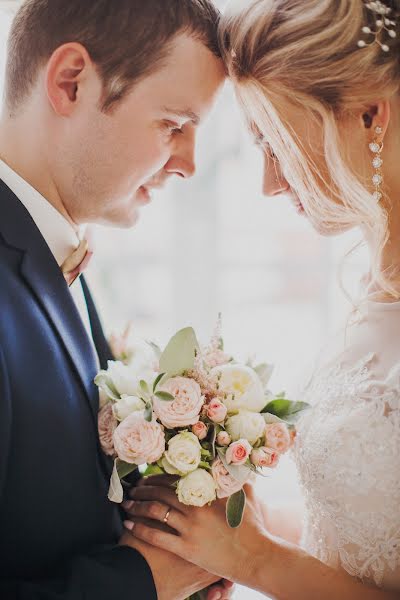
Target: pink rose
(200,429)
(223,438)
(186,407)
(238,452)
(226,484)
(107,424)
(265,457)
(216,411)
(277,437)
(137,441)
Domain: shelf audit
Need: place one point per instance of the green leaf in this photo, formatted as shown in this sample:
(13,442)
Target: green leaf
(157,381)
(165,396)
(143,386)
(264,371)
(204,465)
(104,382)
(213,438)
(124,468)
(235,509)
(180,353)
(153,470)
(283,408)
(148,412)
(239,472)
(115,492)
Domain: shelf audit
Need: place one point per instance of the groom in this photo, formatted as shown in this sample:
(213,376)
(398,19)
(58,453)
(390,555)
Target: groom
(102,101)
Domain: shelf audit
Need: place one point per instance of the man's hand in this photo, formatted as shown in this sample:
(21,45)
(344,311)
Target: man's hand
(174,578)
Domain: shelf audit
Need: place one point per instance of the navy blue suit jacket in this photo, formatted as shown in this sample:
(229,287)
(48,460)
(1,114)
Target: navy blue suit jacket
(58,531)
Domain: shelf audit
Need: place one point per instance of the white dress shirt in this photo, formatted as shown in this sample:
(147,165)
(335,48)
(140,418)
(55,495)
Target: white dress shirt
(59,234)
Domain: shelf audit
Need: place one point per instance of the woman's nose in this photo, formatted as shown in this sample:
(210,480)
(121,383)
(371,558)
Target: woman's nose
(274,182)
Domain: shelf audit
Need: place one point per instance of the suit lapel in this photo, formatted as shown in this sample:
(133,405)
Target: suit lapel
(46,281)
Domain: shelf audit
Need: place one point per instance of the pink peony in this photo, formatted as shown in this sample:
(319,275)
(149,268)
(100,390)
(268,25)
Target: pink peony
(265,457)
(277,436)
(226,484)
(216,411)
(238,452)
(107,424)
(137,441)
(200,429)
(186,407)
(223,438)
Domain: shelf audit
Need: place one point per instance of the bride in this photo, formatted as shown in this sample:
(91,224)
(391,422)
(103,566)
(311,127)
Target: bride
(318,81)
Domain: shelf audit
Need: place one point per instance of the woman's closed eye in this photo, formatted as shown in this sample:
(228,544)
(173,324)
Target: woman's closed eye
(172,128)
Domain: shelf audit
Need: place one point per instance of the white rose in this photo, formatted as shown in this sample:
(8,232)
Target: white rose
(126,406)
(123,378)
(183,454)
(197,489)
(242,388)
(247,425)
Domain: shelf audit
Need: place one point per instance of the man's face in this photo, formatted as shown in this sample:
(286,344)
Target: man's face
(107,163)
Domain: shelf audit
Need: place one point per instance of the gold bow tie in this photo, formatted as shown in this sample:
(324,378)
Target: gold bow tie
(77,262)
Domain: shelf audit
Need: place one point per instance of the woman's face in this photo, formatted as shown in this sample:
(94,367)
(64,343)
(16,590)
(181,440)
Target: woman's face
(353,150)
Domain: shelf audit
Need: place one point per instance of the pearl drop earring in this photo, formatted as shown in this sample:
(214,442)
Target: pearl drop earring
(376,148)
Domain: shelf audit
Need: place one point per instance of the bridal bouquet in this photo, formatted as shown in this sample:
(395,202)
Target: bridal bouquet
(195,413)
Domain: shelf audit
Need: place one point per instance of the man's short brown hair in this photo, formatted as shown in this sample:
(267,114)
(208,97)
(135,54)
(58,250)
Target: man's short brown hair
(126,39)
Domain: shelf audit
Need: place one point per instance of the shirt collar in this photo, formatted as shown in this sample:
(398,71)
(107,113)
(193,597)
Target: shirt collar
(59,234)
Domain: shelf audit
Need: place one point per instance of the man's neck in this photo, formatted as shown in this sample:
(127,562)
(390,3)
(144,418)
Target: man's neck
(26,158)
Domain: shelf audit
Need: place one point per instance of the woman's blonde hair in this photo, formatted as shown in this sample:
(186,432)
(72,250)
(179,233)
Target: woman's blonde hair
(305,52)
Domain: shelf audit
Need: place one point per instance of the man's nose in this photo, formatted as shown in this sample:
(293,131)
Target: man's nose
(182,159)
(274,182)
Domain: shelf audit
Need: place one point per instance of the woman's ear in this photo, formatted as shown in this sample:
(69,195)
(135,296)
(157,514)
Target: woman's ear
(377,115)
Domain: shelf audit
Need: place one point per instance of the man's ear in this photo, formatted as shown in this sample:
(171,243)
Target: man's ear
(377,115)
(66,71)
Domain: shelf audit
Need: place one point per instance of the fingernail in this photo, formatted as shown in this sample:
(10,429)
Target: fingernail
(129,525)
(127,504)
(217,596)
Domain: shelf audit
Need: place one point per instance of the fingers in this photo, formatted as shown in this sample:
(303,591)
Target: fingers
(219,592)
(155,537)
(157,511)
(160,494)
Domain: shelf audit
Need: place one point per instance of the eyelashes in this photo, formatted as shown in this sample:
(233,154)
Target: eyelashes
(171,128)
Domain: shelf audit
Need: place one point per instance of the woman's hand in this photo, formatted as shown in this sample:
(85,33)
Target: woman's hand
(202,535)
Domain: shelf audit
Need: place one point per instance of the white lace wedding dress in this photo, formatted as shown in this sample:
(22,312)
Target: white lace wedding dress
(348,451)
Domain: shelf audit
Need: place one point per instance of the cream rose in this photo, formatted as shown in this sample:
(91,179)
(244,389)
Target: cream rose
(137,441)
(226,484)
(242,388)
(123,378)
(183,454)
(223,438)
(247,425)
(185,409)
(107,425)
(127,405)
(277,436)
(197,489)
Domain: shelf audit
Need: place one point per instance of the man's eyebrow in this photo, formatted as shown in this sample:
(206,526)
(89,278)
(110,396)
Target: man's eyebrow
(182,114)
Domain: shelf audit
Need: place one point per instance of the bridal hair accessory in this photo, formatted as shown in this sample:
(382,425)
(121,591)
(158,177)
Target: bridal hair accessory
(382,24)
(376,148)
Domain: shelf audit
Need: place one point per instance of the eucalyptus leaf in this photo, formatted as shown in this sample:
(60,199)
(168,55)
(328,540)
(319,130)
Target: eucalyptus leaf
(124,468)
(115,492)
(157,381)
(148,412)
(180,353)
(235,509)
(213,437)
(165,396)
(239,472)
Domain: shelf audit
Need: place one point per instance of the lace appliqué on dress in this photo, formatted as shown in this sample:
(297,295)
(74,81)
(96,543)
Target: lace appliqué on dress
(348,457)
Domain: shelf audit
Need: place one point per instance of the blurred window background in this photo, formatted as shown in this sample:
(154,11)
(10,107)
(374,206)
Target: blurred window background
(215,245)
